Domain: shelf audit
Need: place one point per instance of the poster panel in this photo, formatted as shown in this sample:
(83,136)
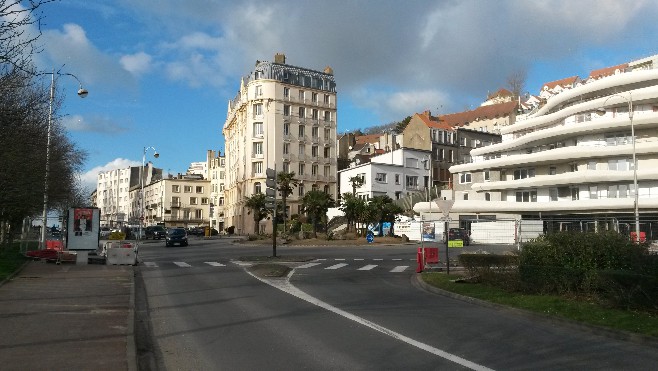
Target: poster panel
(83,228)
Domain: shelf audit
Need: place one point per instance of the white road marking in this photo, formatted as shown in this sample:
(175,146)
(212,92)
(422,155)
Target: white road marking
(358,259)
(337,266)
(321,259)
(241,263)
(151,264)
(182,264)
(286,286)
(399,268)
(338,259)
(367,267)
(397,260)
(215,264)
(309,265)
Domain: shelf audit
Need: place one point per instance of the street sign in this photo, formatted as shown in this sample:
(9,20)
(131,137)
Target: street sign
(370,237)
(445,206)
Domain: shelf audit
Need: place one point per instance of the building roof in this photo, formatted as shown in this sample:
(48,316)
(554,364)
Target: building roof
(480,113)
(569,81)
(501,93)
(607,71)
(433,122)
(371,138)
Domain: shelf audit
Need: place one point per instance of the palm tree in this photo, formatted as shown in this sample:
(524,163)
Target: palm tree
(257,205)
(356,182)
(285,182)
(386,209)
(316,204)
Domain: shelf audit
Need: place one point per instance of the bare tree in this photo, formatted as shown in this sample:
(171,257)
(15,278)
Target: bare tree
(516,82)
(17,39)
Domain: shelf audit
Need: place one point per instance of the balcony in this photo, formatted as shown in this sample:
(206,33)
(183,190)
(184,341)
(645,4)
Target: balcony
(328,123)
(315,140)
(175,204)
(287,137)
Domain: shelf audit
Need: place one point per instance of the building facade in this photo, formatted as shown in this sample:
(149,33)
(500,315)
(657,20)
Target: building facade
(181,201)
(283,118)
(217,175)
(575,157)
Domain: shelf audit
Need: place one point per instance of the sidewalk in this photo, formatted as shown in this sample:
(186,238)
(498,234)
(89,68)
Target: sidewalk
(68,317)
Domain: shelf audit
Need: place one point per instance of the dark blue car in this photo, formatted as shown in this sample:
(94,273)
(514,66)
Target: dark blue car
(176,236)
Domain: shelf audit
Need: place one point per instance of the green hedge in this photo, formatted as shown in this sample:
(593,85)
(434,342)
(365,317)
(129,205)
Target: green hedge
(497,270)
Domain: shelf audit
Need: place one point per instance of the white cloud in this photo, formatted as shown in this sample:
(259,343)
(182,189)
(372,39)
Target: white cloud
(90,178)
(396,105)
(137,64)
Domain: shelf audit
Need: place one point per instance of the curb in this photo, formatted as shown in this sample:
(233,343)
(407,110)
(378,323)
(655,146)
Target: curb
(16,272)
(418,282)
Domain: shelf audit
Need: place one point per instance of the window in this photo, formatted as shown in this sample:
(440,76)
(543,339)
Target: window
(258,149)
(623,191)
(464,178)
(412,163)
(552,170)
(591,165)
(593,192)
(286,148)
(314,114)
(301,95)
(258,110)
(193,201)
(397,179)
(575,192)
(302,112)
(380,177)
(258,167)
(327,134)
(327,116)
(198,214)
(327,188)
(465,196)
(486,176)
(573,168)
(175,202)
(487,196)
(302,167)
(552,194)
(204,200)
(187,189)
(526,196)
(314,169)
(301,131)
(412,182)
(524,173)
(221,201)
(286,92)
(300,187)
(286,128)
(286,166)
(258,90)
(257,188)
(175,188)
(326,99)
(314,97)
(315,132)
(286,110)
(199,189)
(302,149)
(314,151)
(327,152)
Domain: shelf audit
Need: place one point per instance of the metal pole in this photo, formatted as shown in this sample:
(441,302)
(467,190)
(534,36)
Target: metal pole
(637,191)
(141,193)
(447,243)
(45,185)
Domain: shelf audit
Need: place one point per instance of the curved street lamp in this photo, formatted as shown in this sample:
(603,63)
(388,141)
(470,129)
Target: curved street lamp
(82,93)
(601,111)
(141,193)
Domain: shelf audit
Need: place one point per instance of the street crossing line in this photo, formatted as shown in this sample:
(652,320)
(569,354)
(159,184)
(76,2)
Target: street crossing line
(337,266)
(182,264)
(215,264)
(367,267)
(150,264)
(309,265)
(399,268)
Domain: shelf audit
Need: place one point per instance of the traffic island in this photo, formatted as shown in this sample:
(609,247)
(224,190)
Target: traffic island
(269,270)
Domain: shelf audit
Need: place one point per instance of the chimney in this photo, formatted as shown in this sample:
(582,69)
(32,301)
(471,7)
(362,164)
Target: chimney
(280,58)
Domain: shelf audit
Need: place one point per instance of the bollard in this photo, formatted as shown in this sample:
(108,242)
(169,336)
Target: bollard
(419,261)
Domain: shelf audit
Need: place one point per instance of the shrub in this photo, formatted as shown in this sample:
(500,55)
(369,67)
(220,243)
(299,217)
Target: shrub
(497,270)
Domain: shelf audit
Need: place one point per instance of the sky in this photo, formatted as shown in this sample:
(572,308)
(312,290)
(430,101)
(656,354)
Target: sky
(160,73)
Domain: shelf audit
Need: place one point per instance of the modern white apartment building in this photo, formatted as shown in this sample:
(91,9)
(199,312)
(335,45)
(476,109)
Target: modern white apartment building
(113,193)
(284,118)
(573,157)
(217,174)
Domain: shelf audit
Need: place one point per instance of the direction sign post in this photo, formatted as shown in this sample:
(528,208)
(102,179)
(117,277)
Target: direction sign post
(445,206)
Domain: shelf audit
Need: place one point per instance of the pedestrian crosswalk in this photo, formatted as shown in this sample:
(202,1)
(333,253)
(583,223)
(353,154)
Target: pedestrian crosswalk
(358,264)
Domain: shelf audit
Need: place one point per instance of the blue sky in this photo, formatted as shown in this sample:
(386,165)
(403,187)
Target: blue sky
(160,73)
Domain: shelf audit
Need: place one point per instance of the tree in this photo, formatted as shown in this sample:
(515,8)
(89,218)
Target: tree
(257,205)
(516,82)
(316,204)
(17,46)
(352,207)
(386,209)
(400,126)
(356,182)
(285,182)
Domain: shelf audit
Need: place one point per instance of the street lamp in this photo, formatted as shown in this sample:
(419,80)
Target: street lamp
(82,93)
(141,193)
(601,111)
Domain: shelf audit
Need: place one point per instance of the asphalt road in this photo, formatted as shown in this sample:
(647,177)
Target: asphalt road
(355,309)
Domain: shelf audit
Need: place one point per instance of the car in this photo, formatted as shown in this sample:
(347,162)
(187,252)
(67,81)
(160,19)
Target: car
(176,236)
(197,231)
(154,232)
(459,234)
(105,231)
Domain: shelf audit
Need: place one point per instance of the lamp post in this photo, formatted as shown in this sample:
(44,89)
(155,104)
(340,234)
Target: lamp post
(82,93)
(601,111)
(141,193)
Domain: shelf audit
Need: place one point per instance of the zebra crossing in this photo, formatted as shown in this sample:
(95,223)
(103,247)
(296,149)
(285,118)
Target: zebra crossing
(358,264)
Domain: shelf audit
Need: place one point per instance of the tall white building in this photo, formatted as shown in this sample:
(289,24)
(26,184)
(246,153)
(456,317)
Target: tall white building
(113,196)
(284,118)
(569,161)
(217,175)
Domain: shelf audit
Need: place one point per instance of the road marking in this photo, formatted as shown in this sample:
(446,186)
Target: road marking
(399,268)
(215,264)
(287,287)
(337,266)
(182,264)
(358,259)
(378,260)
(397,260)
(338,259)
(309,265)
(321,259)
(241,263)
(367,267)
(151,264)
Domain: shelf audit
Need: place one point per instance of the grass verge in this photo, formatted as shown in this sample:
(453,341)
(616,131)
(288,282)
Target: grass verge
(10,260)
(557,306)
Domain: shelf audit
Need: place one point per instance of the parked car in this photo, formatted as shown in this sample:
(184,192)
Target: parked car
(154,232)
(459,234)
(197,231)
(176,236)
(105,232)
